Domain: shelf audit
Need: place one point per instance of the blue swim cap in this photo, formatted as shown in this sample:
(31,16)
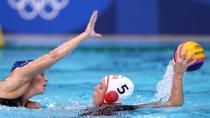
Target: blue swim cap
(20,64)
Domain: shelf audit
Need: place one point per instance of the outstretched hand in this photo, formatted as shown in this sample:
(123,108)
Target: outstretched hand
(181,64)
(90,27)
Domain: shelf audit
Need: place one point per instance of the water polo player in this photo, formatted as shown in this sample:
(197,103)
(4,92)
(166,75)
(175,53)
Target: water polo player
(27,80)
(115,88)
(112,89)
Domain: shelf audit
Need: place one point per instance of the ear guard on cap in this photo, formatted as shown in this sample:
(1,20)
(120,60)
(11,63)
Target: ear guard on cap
(111,97)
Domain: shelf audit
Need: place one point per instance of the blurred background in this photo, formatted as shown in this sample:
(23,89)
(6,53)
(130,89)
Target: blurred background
(139,39)
(32,22)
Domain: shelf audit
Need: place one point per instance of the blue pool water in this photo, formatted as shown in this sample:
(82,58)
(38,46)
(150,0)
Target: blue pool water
(72,80)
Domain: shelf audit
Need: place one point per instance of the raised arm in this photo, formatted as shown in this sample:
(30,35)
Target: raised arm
(180,66)
(176,97)
(25,74)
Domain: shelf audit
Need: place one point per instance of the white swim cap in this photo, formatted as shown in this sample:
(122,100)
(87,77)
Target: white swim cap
(118,88)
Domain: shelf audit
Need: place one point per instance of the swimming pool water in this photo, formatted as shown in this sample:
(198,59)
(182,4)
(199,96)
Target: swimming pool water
(72,80)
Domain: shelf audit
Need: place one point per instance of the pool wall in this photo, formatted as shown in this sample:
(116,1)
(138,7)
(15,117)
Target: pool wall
(118,41)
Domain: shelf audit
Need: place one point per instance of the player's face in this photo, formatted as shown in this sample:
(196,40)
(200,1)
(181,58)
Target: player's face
(99,91)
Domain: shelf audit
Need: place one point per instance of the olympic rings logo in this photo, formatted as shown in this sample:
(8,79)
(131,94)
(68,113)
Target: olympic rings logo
(46,9)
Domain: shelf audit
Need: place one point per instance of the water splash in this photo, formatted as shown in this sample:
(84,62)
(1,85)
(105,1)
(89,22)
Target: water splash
(164,86)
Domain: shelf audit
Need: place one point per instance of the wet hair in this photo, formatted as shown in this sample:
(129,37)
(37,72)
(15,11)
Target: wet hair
(108,110)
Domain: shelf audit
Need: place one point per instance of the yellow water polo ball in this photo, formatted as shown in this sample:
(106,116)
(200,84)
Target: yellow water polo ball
(199,54)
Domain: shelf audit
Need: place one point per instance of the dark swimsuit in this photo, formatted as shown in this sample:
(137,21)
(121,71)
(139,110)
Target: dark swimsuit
(12,102)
